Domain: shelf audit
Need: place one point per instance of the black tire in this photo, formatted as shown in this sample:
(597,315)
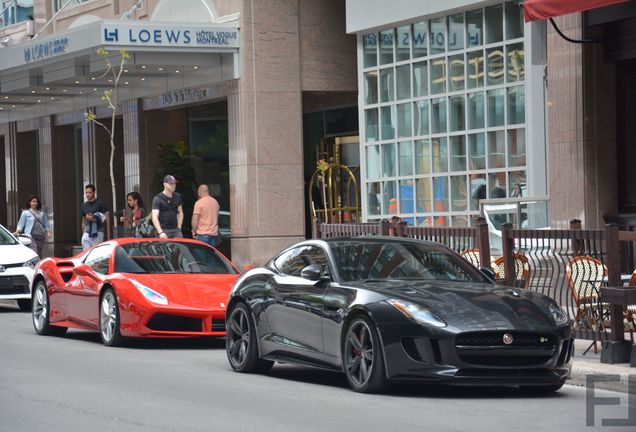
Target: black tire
(41,310)
(241,343)
(543,389)
(24,305)
(109,319)
(362,359)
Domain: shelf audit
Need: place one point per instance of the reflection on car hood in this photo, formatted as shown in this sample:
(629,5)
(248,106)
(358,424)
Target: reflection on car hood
(471,306)
(15,254)
(192,290)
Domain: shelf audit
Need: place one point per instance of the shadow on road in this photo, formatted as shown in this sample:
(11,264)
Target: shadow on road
(163,344)
(9,306)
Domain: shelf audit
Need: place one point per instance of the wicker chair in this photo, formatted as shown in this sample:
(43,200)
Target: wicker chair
(472,256)
(522,269)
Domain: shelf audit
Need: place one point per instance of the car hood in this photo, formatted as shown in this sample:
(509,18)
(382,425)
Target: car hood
(15,254)
(472,306)
(192,290)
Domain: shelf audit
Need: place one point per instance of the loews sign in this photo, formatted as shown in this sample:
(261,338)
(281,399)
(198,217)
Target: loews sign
(166,35)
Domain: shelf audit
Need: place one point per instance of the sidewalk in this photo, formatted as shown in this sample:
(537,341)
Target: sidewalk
(590,364)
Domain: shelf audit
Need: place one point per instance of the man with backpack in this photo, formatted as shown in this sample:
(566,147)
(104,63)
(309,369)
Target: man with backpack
(167,211)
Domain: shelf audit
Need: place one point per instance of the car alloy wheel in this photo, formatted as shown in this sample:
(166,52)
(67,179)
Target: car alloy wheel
(41,312)
(109,319)
(240,342)
(362,357)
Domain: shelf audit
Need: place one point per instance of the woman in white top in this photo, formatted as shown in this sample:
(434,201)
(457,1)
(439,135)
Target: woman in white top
(33,221)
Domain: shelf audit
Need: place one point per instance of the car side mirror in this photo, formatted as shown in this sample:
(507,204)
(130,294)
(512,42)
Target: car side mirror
(488,272)
(311,272)
(25,240)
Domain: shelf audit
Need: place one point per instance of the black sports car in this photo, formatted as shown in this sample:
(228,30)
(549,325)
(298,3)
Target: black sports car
(384,310)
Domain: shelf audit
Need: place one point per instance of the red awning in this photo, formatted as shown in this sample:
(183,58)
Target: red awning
(534,10)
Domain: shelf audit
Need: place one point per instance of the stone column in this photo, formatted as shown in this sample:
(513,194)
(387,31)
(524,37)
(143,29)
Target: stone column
(265,134)
(130,115)
(11,175)
(89,151)
(45,145)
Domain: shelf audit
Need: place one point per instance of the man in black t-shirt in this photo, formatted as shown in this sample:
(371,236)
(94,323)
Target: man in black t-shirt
(94,214)
(167,211)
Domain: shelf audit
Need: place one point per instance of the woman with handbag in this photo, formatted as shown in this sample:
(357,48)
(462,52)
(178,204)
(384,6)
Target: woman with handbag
(135,216)
(33,222)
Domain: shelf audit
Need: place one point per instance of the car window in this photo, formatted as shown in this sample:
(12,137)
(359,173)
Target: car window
(98,259)
(294,260)
(6,238)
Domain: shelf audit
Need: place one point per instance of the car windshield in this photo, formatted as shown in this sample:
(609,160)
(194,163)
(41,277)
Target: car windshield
(170,257)
(6,238)
(400,260)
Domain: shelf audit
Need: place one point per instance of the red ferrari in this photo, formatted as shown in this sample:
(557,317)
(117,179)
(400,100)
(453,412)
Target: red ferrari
(135,288)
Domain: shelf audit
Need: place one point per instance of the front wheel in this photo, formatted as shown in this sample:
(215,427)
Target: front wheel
(41,311)
(240,342)
(362,357)
(109,319)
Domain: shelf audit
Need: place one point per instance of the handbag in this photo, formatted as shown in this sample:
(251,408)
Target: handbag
(145,228)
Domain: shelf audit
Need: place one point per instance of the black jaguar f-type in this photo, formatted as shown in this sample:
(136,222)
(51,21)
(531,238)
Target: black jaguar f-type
(385,310)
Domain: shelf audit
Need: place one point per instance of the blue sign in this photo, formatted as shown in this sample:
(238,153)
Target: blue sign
(143,35)
(47,49)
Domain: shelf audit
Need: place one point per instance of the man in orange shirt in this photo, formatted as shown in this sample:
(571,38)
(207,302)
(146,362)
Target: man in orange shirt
(205,217)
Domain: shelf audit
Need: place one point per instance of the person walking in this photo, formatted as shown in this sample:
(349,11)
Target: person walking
(205,218)
(167,210)
(94,214)
(136,213)
(34,222)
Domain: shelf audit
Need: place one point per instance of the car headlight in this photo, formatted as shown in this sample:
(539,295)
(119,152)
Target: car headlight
(32,262)
(558,315)
(149,293)
(418,313)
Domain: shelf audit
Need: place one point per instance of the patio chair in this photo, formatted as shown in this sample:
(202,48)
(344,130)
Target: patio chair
(630,311)
(585,276)
(522,269)
(472,256)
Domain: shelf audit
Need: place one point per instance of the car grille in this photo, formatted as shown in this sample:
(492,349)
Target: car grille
(167,322)
(14,285)
(218,325)
(489,349)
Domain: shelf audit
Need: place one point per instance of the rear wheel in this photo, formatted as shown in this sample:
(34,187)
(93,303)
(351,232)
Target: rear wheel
(240,342)
(24,305)
(41,311)
(109,319)
(362,357)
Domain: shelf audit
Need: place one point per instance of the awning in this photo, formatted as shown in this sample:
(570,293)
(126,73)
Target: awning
(534,10)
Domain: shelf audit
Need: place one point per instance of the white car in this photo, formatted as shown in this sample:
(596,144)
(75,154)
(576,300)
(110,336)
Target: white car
(17,262)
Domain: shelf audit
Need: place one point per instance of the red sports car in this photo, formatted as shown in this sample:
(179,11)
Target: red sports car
(135,288)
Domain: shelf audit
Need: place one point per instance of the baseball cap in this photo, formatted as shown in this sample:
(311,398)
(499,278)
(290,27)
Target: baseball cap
(170,179)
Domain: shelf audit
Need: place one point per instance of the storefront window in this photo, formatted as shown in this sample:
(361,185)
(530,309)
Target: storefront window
(403,81)
(438,115)
(457,113)
(403,51)
(371,88)
(386,47)
(475,28)
(420,39)
(456,32)
(420,118)
(420,79)
(370,45)
(404,120)
(406,158)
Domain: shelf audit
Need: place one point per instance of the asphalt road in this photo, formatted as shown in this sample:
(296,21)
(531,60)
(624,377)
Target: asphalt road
(74,383)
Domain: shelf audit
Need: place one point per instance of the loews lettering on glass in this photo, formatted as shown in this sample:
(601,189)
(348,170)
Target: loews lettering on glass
(419,39)
(180,96)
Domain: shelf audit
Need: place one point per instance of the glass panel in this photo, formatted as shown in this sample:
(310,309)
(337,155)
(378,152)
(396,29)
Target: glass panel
(440,194)
(373,198)
(438,35)
(370,43)
(456,32)
(406,158)
(496,107)
(403,51)
(438,115)
(475,28)
(403,81)
(438,76)
(458,153)
(421,117)
(389,202)
(420,79)
(373,162)
(456,70)
(440,155)
(477,151)
(458,193)
(497,185)
(457,113)
(516,147)
(514,20)
(517,183)
(495,66)
(407,197)
(477,190)
(420,33)
(387,93)
(459,221)
(476,110)
(516,59)
(386,47)
(388,122)
(496,150)
(422,157)
(516,105)
(371,124)
(475,69)
(404,120)
(388,160)
(371,87)
(494,23)
(424,197)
